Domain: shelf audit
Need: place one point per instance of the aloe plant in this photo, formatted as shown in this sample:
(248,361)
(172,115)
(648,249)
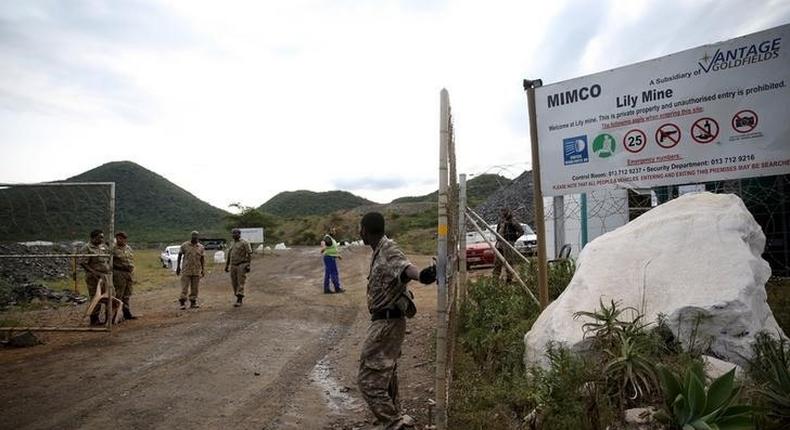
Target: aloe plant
(606,325)
(631,368)
(689,405)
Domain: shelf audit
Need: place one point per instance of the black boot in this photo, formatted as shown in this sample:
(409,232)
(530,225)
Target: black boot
(127,311)
(95,320)
(194,304)
(183,303)
(239,299)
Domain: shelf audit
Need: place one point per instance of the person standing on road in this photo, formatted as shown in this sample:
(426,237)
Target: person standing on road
(193,254)
(331,255)
(389,302)
(122,268)
(238,264)
(97,267)
(510,230)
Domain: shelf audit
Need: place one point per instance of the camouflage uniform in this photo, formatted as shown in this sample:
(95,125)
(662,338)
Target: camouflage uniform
(122,268)
(378,363)
(239,256)
(190,270)
(98,264)
(511,231)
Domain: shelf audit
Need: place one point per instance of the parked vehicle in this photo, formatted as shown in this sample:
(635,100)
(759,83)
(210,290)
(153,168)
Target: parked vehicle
(213,244)
(527,244)
(169,256)
(478,253)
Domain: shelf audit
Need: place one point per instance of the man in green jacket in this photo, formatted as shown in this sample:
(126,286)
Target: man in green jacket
(331,255)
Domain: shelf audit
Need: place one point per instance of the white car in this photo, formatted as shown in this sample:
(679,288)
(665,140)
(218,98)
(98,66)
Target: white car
(527,244)
(169,257)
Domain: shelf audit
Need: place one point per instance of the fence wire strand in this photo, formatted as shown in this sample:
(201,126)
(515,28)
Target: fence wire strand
(53,220)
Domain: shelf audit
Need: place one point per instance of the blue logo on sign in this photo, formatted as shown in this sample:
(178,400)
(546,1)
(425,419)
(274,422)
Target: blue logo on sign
(575,149)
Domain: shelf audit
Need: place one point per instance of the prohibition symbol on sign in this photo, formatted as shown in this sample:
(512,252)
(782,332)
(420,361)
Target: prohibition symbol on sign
(704,130)
(634,141)
(668,135)
(744,121)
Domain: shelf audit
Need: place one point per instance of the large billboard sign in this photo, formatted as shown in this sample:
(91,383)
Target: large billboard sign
(252,235)
(716,112)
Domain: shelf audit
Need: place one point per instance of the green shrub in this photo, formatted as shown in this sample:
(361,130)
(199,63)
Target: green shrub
(769,368)
(495,318)
(559,276)
(630,370)
(569,394)
(689,405)
(607,327)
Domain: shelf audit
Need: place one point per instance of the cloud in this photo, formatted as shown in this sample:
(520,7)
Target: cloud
(378,183)
(58,57)
(264,94)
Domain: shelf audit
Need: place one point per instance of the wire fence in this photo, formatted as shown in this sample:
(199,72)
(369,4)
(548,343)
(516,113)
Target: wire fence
(43,229)
(577,219)
(447,261)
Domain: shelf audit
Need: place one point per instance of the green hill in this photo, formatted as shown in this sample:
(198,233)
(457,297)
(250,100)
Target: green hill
(303,203)
(477,190)
(148,206)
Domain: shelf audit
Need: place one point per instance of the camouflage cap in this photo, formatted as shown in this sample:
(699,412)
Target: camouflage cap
(195,233)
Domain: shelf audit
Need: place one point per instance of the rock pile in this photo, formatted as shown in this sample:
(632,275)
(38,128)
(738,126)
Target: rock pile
(517,196)
(20,277)
(26,270)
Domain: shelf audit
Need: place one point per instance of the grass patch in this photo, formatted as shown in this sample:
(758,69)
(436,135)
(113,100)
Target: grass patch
(778,290)
(148,273)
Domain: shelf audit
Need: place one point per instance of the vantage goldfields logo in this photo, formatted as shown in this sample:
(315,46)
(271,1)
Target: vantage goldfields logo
(741,56)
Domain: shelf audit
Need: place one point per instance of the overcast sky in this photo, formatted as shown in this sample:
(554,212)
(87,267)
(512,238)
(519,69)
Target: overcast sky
(237,101)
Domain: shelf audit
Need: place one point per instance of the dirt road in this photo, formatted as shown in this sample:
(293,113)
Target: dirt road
(287,359)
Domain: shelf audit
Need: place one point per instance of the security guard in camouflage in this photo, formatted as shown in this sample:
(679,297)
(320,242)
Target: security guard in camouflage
(238,264)
(122,268)
(97,267)
(510,230)
(390,271)
(193,254)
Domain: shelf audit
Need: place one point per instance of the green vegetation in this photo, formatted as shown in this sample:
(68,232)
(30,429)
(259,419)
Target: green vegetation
(477,190)
(148,273)
(304,203)
(251,217)
(148,207)
(769,370)
(689,404)
(778,290)
(630,363)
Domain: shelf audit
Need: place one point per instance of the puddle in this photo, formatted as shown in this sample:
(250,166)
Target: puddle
(337,396)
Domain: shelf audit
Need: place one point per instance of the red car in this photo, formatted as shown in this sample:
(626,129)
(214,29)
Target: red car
(478,253)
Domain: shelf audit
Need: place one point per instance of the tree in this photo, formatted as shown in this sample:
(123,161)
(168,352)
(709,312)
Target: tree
(251,217)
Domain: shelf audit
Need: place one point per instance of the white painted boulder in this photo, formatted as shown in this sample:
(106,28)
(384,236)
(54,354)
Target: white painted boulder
(696,260)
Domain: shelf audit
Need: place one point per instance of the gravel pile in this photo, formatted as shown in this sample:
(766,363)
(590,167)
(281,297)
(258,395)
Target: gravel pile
(20,278)
(27,270)
(517,196)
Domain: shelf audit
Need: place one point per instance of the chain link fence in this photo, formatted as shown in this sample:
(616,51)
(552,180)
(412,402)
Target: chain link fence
(43,228)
